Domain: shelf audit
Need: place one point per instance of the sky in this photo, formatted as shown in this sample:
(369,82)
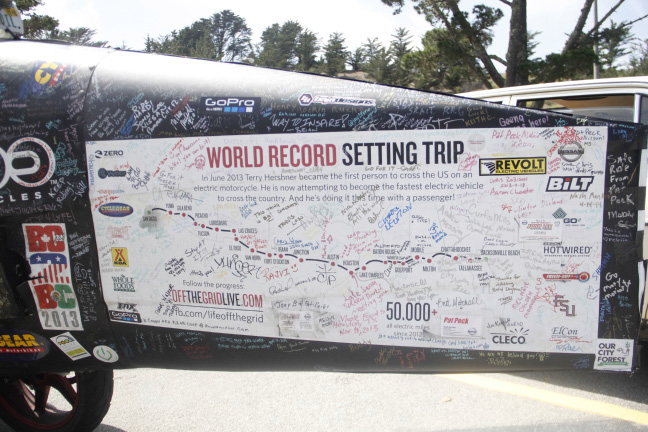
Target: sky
(129,22)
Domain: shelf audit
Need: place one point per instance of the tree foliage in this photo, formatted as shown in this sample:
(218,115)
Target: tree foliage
(224,37)
(454,55)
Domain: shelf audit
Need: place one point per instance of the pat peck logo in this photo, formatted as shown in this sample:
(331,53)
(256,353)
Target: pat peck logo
(229,105)
(307,99)
(36,158)
(512,166)
(569,184)
(51,279)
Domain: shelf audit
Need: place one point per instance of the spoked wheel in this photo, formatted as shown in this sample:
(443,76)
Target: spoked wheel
(56,402)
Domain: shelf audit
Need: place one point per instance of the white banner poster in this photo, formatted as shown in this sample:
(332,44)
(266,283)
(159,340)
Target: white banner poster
(476,239)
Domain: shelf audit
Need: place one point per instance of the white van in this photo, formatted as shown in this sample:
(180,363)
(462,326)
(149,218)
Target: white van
(621,99)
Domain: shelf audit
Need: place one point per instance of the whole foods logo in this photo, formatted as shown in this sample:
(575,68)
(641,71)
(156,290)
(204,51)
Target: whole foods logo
(124,283)
(512,166)
(39,168)
(229,105)
(115,210)
(120,257)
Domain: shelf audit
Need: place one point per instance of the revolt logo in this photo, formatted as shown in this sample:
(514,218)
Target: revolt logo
(229,105)
(569,184)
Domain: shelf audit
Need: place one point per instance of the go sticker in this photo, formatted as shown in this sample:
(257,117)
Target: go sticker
(105,354)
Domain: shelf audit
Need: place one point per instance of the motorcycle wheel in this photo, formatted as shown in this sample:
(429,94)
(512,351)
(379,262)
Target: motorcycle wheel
(77,401)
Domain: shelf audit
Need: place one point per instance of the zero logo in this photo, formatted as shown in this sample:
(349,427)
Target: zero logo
(14,153)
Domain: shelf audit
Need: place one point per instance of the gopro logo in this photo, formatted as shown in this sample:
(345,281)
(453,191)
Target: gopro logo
(229,105)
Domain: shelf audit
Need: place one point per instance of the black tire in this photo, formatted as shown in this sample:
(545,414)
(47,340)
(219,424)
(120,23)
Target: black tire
(28,404)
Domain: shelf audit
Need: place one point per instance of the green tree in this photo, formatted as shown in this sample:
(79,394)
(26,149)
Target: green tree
(224,37)
(638,59)
(357,59)
(335,55)
(278,47)
(573,61)
(306,51)
(400,47)
(35,26)
(440,64)
(614,42)
(78,36)
(378,61)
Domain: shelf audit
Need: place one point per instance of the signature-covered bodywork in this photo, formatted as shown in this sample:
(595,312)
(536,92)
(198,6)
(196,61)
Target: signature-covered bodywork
(159,211)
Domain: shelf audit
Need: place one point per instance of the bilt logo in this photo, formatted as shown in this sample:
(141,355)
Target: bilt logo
(512,166)
(514,337)
(569,184)
(229,105)
(120,257)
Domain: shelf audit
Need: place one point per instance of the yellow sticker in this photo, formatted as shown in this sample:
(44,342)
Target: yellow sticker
(120,257)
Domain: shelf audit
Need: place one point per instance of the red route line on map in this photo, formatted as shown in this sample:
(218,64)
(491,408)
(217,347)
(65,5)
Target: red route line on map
(301,260)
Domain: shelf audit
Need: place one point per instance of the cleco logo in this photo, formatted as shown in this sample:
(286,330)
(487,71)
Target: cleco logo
(31,149)
(229,105)
(514,337)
